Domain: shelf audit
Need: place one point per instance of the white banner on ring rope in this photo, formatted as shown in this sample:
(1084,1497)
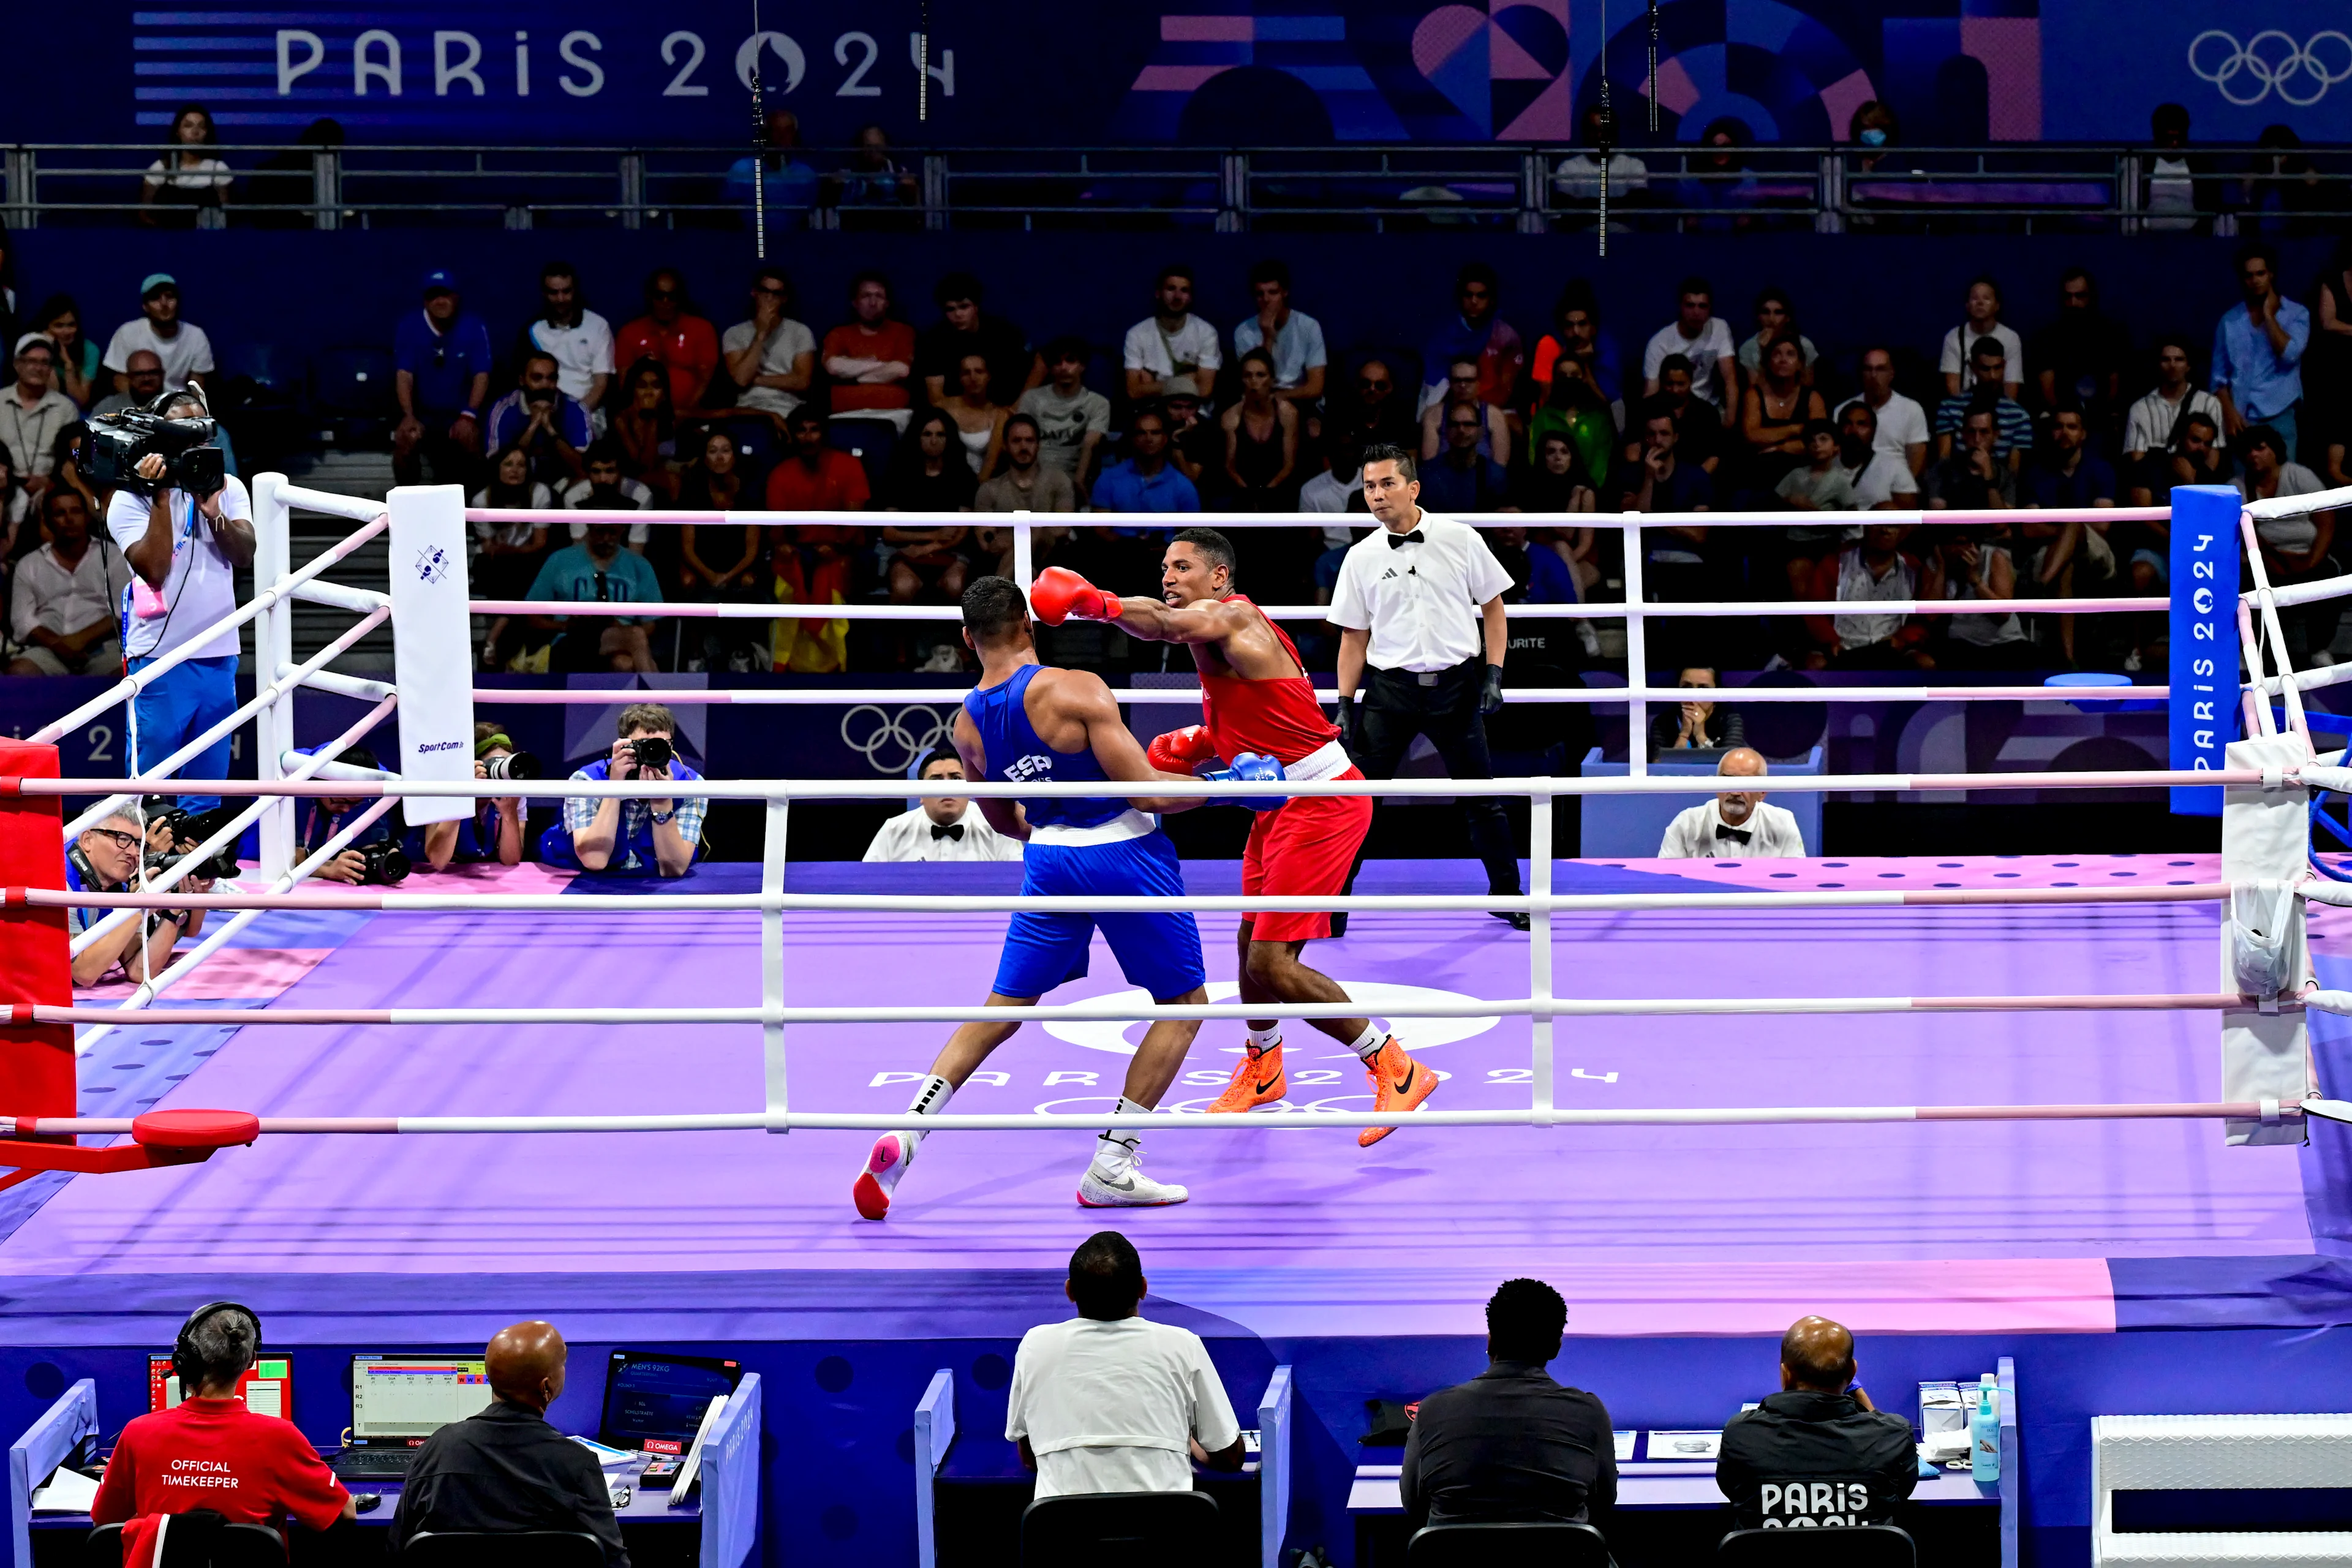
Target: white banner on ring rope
(433,645)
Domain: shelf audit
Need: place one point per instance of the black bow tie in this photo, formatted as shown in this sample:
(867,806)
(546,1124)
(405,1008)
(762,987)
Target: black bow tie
(1399,541)
(1722,830)
(955,830)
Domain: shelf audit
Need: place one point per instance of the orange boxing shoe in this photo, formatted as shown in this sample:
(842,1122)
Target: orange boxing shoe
(1257,1081)
(1399,1083)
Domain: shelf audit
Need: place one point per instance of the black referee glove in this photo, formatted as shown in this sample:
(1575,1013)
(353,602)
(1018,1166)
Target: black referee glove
(1351,726)
(1490,695)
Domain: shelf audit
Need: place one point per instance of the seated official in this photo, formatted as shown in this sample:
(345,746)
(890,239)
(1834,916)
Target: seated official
(659,837)
(1110,1402)
(108,858)
(1854,1461)
(1511,1445)
(495,830)
(1738,824)
(944,828)
(210,1452)
(327,816)
(1699,721)
(508,1470)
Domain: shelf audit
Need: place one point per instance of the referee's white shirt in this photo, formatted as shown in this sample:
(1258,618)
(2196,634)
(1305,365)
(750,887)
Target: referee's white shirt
(1420,600)
(909,837)
(1772,835)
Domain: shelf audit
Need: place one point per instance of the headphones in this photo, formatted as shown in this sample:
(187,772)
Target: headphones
(184,1349)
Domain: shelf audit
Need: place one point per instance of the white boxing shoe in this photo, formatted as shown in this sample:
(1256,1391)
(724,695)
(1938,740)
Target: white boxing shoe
(892,1154)
(1116,1180)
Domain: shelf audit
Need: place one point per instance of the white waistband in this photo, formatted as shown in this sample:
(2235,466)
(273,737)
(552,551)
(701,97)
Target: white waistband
(1129,823)
(1327,761)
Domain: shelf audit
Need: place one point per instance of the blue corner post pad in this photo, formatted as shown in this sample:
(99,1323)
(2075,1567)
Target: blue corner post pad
(2204,711)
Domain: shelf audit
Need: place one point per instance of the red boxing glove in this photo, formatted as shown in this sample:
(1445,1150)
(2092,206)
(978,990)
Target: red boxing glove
(1182,751)
(1059,594)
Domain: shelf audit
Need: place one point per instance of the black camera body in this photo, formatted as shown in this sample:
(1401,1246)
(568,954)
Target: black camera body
(653,751)
(384,863)
(196,826)
(192,461)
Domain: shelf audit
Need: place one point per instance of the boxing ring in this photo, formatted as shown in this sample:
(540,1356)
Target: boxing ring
(638,1108)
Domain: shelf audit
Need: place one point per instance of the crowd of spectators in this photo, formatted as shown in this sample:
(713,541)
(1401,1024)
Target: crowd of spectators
(864,406)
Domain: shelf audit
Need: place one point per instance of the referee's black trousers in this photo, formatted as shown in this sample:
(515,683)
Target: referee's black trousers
(1397,707)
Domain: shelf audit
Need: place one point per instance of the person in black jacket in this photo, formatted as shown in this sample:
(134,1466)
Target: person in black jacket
(1511,1443)
(1818,1452)
(507,1470)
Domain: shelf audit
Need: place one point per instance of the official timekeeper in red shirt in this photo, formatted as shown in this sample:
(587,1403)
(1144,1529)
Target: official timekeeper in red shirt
(211,1452)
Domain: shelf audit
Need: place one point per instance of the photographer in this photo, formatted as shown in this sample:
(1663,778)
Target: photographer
(375,856)
(185,544)
(495,830)
(109,858)
(661,836)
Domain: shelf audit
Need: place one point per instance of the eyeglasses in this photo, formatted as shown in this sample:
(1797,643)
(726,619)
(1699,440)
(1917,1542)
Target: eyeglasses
(122,840)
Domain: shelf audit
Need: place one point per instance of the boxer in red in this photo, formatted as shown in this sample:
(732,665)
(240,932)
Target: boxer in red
(1255,697)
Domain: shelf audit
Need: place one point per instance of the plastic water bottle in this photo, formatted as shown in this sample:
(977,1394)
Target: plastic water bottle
(1984,1433)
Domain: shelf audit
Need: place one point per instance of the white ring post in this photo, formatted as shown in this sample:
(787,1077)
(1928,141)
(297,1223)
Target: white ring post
(772,960)
(1539,853)
(273,650)
(1024,552)
(1637,656)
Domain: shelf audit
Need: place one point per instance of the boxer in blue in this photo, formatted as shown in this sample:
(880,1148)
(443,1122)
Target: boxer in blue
(1027,723)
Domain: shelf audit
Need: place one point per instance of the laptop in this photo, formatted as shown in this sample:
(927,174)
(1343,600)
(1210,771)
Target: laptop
(398,1401)
(654,1404)
(266,1389)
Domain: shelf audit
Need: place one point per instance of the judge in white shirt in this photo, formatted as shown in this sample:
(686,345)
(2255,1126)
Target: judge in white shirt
(1110,1402)
(944,828)
(1738,825)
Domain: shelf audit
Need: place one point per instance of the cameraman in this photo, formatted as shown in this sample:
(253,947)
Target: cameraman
(108,859)
(324,817)
(660,836)
(185,550)
(495,830)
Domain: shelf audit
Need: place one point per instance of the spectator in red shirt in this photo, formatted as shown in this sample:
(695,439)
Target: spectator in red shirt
(870,356)
(686,344)
(211,1452)
(816,477)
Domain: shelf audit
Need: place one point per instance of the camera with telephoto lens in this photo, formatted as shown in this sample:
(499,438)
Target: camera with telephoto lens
(653,751)
(193,461)
(193,826)
(382,863)
(513,765)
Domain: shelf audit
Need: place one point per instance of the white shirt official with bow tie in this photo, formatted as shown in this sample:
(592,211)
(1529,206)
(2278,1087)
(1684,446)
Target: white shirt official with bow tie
(942,828)
(1769,833)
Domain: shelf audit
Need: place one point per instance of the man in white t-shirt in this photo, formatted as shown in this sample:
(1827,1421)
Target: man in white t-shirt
(771,356)
(1110,1402)
(579,338)
(185,552)
(1881,480)
(1902,424)
(944,828)
(1738,824)
(186,352)
(1171,347)
(1698,334)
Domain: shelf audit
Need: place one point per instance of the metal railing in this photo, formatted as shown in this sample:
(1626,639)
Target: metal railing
(1364,187)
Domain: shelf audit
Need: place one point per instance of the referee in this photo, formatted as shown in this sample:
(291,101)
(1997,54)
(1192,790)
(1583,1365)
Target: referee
(1422,603)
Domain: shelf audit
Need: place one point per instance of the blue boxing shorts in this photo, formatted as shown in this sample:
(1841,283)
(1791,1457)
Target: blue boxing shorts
(1158,952)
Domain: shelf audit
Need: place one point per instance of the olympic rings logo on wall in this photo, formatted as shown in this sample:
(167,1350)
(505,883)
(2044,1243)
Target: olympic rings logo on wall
(889,742)
(2271,61)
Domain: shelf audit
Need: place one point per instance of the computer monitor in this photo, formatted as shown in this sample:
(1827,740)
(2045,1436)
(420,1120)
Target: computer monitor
(266,1389)
(398,1401)
(656,1403)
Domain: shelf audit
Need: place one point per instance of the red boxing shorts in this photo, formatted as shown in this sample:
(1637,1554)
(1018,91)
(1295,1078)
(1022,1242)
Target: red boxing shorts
(1307,848)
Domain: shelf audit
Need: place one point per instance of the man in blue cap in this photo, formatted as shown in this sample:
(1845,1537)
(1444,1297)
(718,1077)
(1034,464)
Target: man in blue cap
(441,374)
(186,353)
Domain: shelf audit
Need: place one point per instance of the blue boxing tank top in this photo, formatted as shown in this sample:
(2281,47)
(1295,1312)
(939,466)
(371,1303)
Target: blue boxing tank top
(1016,756)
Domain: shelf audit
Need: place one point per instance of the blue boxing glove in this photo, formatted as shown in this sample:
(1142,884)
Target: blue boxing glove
(1253,767)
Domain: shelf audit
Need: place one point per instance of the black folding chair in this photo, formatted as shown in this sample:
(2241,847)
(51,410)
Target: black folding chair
(1832,1546)
(1135,1530)
(201,1539)
(508,1549)
(1535,1544)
